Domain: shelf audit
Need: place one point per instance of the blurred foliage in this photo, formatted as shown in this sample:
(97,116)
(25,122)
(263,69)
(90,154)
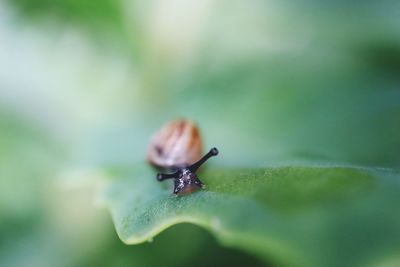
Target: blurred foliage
(103,14)
(304,95)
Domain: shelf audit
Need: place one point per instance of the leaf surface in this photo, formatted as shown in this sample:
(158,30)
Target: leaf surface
(296,216)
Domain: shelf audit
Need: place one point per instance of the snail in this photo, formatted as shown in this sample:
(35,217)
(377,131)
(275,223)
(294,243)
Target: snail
(177,149)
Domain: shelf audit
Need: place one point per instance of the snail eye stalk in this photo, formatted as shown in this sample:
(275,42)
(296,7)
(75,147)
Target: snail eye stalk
(164,176)
(185,178)
(195,166)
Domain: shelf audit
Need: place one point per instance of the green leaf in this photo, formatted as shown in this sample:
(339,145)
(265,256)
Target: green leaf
(293,216)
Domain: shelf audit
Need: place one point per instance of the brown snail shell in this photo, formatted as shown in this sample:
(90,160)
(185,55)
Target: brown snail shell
(177,144)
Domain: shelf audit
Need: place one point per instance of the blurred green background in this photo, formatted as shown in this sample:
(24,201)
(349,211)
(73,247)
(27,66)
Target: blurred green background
(84,84)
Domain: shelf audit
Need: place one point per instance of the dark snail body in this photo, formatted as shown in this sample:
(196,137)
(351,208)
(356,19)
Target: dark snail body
(186,180)
(177,148)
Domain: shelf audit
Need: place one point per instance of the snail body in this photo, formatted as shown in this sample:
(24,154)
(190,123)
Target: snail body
(178,147)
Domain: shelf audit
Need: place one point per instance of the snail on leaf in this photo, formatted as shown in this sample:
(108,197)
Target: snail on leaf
(177,149)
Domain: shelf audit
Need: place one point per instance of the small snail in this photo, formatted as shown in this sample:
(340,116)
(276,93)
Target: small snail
(177,148)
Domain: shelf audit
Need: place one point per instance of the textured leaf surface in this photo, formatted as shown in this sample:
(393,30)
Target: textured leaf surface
(296,216)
